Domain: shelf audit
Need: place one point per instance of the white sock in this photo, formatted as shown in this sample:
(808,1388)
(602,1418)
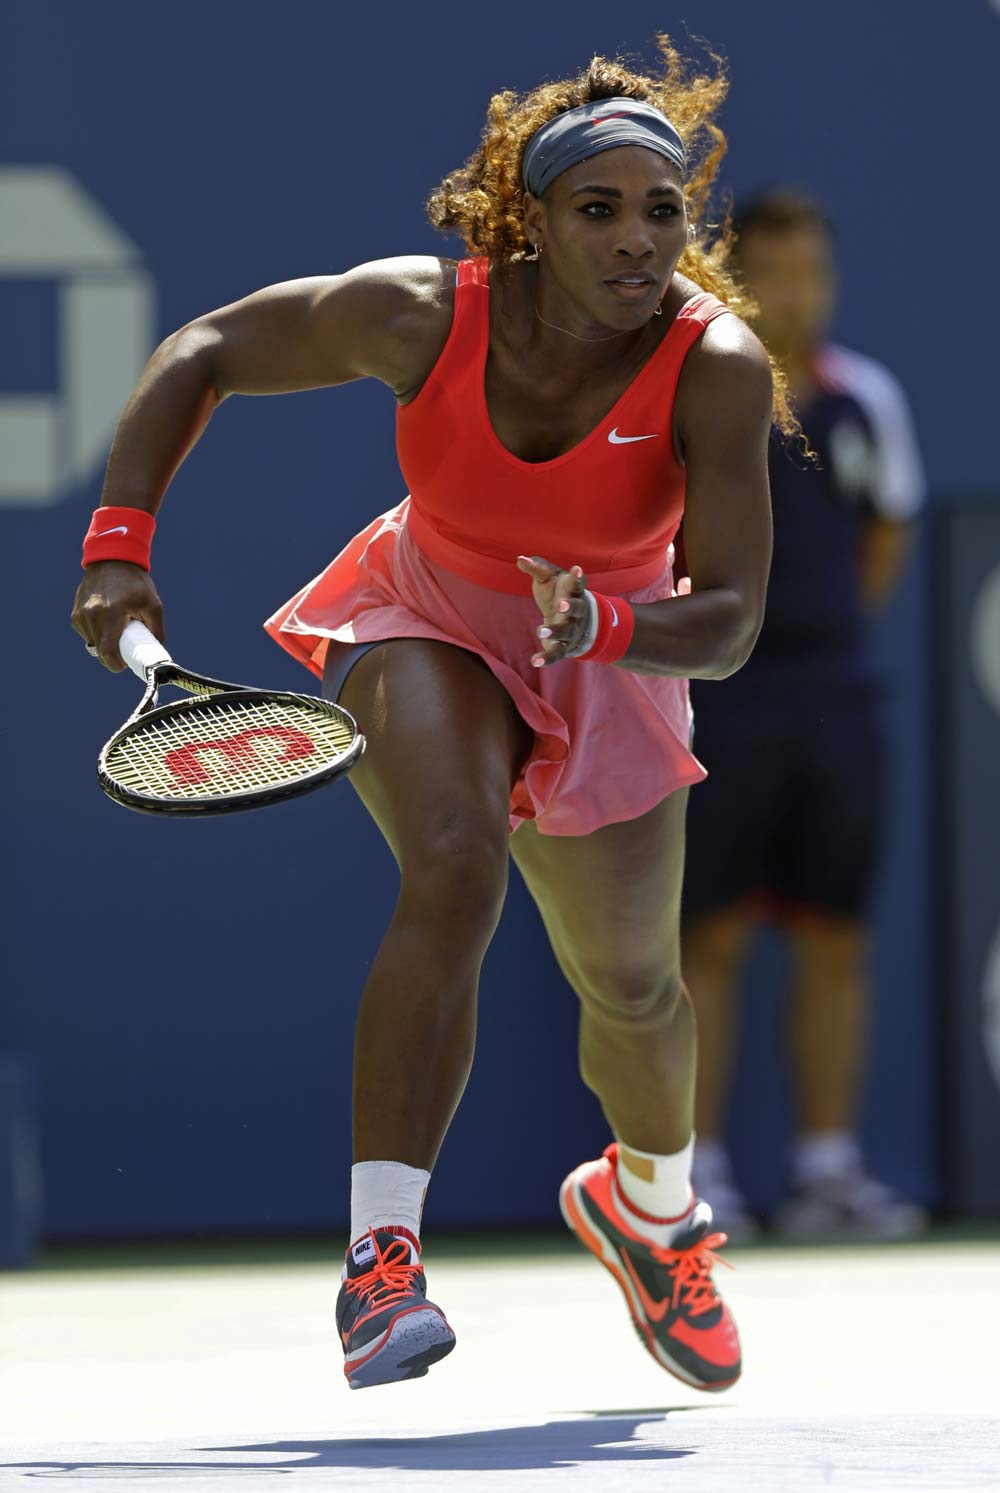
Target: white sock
(387,1194)
(822,1154)
(656,1208)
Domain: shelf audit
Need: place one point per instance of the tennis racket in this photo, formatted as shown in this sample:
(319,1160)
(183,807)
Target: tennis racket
(228,748)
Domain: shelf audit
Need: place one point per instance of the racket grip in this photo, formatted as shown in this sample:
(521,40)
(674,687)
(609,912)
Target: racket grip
(140,650)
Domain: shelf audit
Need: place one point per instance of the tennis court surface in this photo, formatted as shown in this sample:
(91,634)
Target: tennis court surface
(867,1368)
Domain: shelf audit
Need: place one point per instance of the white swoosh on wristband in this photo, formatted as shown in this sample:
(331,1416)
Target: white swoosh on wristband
(614,612)
(118,529)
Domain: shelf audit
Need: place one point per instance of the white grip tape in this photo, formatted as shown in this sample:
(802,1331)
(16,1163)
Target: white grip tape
(140,650)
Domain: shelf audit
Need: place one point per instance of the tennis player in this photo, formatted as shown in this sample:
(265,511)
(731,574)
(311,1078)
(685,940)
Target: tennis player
(564,395)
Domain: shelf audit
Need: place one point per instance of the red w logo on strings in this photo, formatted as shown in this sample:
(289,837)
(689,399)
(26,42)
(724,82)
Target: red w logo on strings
(239,751)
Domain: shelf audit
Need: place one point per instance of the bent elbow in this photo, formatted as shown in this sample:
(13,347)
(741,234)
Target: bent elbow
(738,648)
(195,346)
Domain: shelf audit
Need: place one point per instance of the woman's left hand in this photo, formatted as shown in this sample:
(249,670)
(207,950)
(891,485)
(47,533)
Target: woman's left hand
(560,598)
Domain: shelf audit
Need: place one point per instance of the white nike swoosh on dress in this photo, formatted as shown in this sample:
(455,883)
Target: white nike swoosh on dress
(118,529)
(626,440)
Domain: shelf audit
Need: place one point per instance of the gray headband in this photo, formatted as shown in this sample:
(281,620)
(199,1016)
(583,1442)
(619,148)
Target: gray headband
(580,133)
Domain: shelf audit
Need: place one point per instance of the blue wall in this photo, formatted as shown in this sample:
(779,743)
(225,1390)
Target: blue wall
(188,989)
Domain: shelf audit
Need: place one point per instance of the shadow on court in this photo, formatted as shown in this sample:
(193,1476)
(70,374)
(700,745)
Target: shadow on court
(511,1449)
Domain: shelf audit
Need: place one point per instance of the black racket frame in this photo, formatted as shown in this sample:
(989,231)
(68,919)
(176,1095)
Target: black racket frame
(208,805)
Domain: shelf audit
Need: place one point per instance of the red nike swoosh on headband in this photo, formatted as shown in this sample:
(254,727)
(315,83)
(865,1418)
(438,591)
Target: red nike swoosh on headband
(603,119)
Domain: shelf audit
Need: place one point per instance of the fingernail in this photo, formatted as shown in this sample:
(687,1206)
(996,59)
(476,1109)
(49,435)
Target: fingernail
(563,605)
(545,632)
(538,660)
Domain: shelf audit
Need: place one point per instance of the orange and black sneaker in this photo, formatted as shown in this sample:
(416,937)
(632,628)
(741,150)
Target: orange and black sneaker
(678,1314)
(388,1328)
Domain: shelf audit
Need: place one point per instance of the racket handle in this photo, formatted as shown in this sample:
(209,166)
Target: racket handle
(140,650)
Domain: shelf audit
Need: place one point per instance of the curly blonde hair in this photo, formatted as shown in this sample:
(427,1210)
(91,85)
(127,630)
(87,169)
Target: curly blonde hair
(482,200)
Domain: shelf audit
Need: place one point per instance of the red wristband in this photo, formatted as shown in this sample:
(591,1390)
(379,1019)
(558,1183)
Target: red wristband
(615,626)
(119,534)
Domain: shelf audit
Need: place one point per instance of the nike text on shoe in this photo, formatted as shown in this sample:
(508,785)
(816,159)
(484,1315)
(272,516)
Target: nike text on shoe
(388,1328)
(679,1316)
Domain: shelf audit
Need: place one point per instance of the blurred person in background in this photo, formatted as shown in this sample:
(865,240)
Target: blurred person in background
(789,824)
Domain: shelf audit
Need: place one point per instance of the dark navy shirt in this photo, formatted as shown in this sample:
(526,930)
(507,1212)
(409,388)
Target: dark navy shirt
(815,631)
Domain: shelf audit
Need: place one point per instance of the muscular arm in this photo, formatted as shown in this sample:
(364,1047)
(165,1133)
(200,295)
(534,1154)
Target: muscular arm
(386,320)
(724,418)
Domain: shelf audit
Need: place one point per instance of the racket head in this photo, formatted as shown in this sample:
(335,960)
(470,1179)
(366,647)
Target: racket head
(226,750)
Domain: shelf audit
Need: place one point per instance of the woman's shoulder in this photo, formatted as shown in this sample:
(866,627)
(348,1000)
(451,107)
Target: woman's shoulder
(726,339)
(727,368)
(410,299)
(411,287)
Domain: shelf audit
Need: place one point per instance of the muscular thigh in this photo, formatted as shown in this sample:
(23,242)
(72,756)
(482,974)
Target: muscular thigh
(445,746)
(611,899)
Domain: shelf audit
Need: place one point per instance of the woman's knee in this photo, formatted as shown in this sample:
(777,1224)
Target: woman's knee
(630,993)
(455,879)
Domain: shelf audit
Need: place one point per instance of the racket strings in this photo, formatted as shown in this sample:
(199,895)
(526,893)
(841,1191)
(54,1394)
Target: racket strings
(229,748)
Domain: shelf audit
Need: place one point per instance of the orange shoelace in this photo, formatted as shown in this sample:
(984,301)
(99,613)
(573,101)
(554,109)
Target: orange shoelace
(691,1269)
(389,1281)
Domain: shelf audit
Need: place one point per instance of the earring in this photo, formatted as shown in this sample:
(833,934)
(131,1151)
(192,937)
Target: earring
(659,309)
(530,258)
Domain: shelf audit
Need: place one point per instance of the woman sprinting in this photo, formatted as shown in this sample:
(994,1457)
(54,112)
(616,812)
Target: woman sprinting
(511,639)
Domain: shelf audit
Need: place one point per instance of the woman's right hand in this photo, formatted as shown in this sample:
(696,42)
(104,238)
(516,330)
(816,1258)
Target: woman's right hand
(112,594)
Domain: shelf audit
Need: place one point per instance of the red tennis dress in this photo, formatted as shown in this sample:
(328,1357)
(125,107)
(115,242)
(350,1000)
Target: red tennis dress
(608,745)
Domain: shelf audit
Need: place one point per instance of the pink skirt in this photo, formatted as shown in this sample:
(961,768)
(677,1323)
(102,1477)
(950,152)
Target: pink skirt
(608,745)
